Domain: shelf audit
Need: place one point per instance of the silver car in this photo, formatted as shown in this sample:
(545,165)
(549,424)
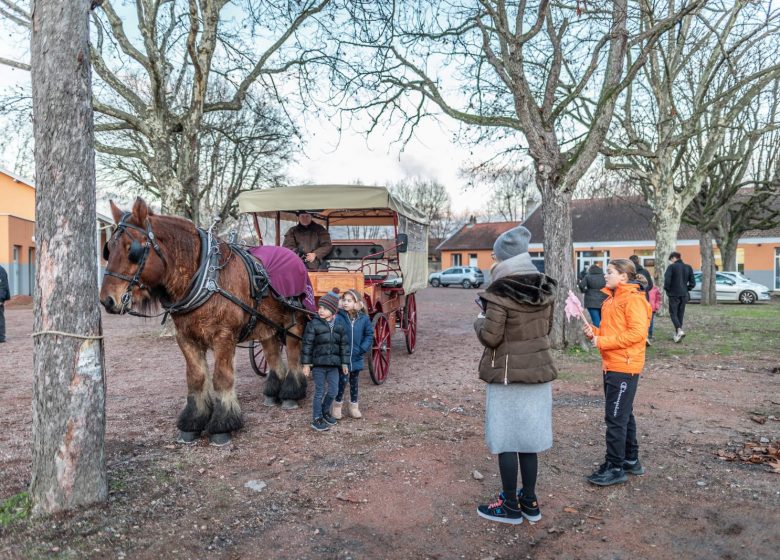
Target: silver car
(466,276)
(733,286)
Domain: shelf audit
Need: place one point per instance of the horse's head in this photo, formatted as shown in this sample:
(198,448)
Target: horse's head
(135,261)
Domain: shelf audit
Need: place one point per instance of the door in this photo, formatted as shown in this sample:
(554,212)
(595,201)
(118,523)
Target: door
(586,259)
(451,276)
(473,260)
(726,289)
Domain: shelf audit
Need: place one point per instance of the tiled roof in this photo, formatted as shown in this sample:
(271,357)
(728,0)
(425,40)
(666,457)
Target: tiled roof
(608,219)
(476,236)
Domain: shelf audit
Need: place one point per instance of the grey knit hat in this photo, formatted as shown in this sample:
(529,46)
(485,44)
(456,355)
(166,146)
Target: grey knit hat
(512,243)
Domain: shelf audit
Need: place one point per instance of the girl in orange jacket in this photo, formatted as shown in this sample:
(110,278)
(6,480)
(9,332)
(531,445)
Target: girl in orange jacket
(621,339)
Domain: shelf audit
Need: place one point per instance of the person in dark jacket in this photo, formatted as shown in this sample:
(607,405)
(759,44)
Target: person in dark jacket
(360,335)
(678,281)
(517,365)
(5,295)
(591,285)
(325,352)
(310,240)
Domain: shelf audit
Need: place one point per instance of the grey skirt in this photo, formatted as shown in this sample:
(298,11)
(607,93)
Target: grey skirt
(518,417)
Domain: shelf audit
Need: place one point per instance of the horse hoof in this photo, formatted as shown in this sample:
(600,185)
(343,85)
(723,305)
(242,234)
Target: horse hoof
(270,401)
(188,437)
(289,405)
(218,440)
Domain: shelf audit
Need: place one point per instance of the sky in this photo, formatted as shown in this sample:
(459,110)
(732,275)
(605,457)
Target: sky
(430,154)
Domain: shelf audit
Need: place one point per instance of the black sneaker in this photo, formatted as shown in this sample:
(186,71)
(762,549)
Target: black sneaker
(607,475)
(320,425)
(634,468)
(501,511)
(328,417)
(529,507)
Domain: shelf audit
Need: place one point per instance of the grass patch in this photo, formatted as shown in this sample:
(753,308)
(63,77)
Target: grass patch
(15,508)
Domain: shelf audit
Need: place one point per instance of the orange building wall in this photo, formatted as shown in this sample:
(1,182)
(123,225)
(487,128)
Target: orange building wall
(484,261)
(16,198)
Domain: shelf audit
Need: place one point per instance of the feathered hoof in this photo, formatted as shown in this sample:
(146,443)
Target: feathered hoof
(289,404)
(270,401)
(218,440)
(187,438)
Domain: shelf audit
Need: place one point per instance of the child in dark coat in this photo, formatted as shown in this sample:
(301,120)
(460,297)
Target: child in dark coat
(360,335)
(325,351)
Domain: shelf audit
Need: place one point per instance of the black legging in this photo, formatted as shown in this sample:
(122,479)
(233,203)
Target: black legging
(507,466)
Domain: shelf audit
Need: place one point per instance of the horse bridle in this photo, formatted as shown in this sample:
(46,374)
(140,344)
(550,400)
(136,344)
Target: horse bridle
(138,253)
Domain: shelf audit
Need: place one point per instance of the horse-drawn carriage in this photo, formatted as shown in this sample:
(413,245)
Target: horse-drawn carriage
(388,268)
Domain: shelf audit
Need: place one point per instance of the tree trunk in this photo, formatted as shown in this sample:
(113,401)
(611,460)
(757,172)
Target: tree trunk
(728,252)
(708,296)
(68,463)
(559,257)
(667,223)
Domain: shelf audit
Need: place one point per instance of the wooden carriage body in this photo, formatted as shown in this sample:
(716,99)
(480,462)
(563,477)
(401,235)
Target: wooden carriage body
(387,271)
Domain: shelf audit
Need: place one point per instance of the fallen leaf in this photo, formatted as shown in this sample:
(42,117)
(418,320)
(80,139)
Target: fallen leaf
(568,509)
(758,419)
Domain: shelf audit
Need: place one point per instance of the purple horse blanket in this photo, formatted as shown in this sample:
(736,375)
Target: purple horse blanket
(286,272)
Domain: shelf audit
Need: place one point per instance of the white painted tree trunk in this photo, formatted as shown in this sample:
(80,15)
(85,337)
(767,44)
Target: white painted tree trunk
(68,463)
(667,223)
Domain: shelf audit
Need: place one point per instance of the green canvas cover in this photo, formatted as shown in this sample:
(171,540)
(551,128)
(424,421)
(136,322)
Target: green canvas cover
(350,205)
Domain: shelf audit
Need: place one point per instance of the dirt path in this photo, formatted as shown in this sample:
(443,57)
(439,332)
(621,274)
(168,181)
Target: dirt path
(398,483)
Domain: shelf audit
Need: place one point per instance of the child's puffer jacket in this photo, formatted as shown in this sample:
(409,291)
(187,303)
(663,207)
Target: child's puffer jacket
(324,344)
(360,335)
(625,318)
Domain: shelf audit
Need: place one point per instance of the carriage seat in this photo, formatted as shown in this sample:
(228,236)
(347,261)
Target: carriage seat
(355,251)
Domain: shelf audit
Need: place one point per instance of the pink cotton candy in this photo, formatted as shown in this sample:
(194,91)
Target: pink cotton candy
(573,307)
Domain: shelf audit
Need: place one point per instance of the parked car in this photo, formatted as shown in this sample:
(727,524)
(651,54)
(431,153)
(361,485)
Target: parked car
(466,276)
(733,286)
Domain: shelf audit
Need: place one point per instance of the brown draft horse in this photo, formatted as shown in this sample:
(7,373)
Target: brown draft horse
(152,260)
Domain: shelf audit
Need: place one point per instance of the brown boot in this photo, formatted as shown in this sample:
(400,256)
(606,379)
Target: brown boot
(337,410)
(354,411)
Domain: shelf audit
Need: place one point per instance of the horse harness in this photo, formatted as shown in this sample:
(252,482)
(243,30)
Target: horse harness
(205,283)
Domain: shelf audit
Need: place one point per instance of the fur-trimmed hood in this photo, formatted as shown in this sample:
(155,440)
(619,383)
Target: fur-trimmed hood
(521,290)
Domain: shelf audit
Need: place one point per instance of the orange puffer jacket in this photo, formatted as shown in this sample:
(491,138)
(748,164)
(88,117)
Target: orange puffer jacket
(625,318)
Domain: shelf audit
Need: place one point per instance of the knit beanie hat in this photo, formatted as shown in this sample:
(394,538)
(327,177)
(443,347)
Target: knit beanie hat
(512,243)
(330,301)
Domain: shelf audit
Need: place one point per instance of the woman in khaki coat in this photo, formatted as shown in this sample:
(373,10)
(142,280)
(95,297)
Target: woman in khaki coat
(518,367)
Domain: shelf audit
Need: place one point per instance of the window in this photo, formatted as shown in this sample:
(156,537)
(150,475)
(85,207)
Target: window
(586,259)
(16,274)
(647,259)
(31,265)
(777,268)
(537,257)
(456,259)
(452,271)
(740,260)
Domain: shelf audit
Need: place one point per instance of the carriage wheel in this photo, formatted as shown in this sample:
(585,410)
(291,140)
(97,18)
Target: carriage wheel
(410,323)
(257,359)
(379,364)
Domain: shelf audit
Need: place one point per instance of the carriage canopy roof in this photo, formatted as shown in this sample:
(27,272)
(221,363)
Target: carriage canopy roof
(351,205)
(345,205)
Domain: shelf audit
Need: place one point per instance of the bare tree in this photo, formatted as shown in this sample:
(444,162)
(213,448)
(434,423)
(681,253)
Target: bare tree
(697,82)
(540,74)
(156,72)
(742,186)
(68,467)
(513,189)
(431,198)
